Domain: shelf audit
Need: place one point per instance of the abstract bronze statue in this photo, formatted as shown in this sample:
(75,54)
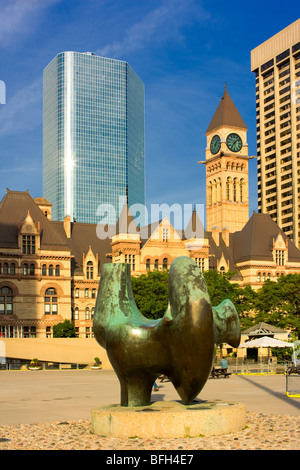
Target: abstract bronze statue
(182,344)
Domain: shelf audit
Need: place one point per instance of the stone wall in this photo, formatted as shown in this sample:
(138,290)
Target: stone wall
(62,350)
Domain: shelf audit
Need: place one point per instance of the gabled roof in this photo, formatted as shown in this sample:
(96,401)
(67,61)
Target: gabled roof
(226,114)
(262,329)
(217,250)
(148,230)
(14,209)
(255,240)
(85,236)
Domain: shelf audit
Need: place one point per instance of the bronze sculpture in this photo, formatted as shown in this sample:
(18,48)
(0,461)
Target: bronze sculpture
(182,344)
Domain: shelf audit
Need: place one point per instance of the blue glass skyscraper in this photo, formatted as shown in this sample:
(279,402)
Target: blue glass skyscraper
(94,132)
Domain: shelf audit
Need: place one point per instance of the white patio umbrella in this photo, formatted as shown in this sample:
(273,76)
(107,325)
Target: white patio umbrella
(266,342)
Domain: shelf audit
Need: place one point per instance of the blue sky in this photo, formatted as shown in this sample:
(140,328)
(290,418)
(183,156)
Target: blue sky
(183,50)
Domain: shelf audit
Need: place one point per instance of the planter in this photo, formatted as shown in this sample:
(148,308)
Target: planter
(34,367)
(96,367)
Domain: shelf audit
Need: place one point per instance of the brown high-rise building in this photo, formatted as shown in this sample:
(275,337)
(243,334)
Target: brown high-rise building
(276,64)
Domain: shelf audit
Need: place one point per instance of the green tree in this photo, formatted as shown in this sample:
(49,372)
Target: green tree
(278,303)
(220,288)
(151,293)
(64,329)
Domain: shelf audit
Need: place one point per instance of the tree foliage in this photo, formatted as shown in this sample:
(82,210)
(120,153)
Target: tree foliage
(276,303)
(151,293)
(64,329)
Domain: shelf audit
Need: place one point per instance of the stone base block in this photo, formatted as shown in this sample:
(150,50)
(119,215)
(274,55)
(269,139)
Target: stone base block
(169,419)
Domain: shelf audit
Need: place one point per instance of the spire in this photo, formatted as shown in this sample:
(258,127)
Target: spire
(195,227)
(126,223)
(226,114)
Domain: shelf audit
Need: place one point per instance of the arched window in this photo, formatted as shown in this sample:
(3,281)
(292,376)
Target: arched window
(44,270)
(210,194)
(51,307)
(76,313)
(5,268)
(228,189)
(148,264)
(12,268)
(6,301)
(90,270)
(258,277)
(219,190)
(25,269)
(241,189)
(31,270)
(92,312)
(50,270)
(156,264)
(165,263)
(214,192)
(87,313)
(57,270)
(235,190)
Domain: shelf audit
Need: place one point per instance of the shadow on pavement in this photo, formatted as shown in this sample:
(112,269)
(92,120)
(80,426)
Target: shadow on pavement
(291,401)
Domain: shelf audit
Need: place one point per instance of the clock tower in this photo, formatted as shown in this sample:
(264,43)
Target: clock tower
(226,162)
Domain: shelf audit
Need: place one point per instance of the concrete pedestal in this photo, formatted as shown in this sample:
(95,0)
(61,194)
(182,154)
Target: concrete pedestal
(169,419)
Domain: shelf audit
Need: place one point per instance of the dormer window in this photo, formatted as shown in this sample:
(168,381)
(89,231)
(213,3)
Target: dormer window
(279,257)
(28,244)
(130,259)
(165,234)
(90,270)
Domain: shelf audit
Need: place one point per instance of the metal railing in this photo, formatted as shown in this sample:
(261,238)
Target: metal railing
(261,367)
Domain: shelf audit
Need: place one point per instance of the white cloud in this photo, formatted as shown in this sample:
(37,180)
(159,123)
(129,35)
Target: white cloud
(17,17)
(159,25)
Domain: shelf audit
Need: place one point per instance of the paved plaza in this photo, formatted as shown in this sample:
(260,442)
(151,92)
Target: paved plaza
(44,396)
(51,410)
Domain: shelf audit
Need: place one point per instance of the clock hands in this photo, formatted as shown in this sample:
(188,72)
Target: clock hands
(234,142)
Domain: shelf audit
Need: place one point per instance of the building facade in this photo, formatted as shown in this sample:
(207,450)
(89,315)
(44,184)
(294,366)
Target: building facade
(50,270)
(276,64)
(93,140)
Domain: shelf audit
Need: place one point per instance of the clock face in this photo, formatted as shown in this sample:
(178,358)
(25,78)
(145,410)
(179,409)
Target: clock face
(234,142)
(215,144)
